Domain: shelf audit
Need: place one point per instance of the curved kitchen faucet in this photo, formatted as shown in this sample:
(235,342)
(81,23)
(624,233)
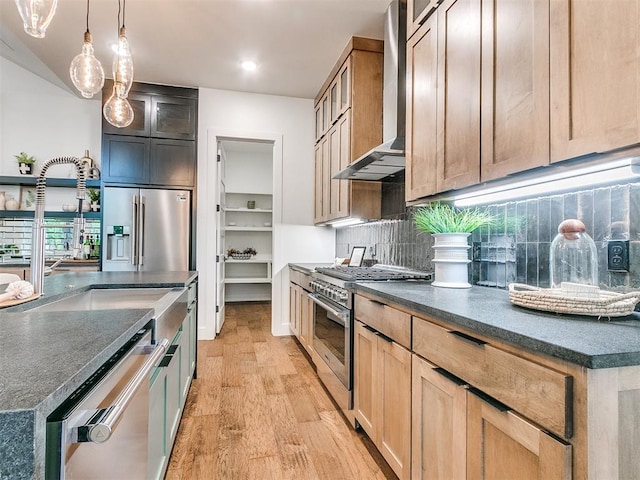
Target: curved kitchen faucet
(37,239)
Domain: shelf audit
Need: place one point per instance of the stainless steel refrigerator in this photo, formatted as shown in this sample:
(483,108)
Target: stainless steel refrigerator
(145,229)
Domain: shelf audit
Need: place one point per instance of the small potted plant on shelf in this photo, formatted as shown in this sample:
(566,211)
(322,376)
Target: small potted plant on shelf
(94,196)
(25,163)
(450,228)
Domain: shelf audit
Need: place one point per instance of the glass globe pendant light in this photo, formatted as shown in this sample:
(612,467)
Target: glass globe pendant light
(86,70)
(123,62)
(36,15)
(117,110)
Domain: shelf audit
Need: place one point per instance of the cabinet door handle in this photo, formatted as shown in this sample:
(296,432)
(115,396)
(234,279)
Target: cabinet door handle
(378,334)
(468,338)
(450,376)
(490,400)
(376,302)
(382,336)
(372,330)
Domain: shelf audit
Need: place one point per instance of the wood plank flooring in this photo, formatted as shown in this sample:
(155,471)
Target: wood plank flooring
(258,411)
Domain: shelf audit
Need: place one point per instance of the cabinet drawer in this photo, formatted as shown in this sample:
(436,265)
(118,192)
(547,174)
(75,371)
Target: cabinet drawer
(386,320)
(538,392)
(300,278)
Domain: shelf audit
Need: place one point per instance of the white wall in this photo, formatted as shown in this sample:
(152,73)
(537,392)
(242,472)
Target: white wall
(288,121)
(45,121)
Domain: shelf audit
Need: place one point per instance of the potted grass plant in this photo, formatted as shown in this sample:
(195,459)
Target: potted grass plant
(450,228)
(94,197)
(25,163)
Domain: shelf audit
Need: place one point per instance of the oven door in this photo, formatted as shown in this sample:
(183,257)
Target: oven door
(332,337)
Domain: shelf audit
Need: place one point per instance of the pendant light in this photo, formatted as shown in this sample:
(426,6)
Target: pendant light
(86,70)
(117,110)
(122,60)
(36,15)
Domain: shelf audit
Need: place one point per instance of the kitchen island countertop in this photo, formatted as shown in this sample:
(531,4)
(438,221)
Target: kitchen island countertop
(586,341)
(45,356)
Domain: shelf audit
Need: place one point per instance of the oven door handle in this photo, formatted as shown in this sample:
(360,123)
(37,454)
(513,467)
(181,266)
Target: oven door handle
(100,429)
(341,314)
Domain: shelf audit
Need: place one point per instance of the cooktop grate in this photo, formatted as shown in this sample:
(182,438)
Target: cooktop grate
(373,273)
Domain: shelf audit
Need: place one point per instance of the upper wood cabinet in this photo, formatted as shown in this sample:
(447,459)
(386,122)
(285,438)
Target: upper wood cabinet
(500,87)
(515,87)
(322,181)
(422,91)
(417,12)
(453,36)
(595,76)
(348,124)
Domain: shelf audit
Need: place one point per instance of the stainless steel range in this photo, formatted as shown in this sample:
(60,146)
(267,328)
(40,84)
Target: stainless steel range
(333,321)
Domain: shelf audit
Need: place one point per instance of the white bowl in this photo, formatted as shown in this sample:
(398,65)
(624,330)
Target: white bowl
(232,224)
(69,207)
(267,224)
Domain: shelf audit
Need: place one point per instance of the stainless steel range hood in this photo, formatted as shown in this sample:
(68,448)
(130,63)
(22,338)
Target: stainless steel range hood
(385,161)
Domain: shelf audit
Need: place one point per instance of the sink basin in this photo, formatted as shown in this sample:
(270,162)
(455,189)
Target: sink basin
(107,299)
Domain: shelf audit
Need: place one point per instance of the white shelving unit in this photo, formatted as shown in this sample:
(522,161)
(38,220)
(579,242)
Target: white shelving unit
(247,216)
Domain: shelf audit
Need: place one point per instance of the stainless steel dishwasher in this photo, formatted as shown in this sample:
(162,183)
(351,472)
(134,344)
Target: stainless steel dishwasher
(101,431)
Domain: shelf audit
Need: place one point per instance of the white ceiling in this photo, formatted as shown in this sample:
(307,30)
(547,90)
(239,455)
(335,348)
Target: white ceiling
(200,43)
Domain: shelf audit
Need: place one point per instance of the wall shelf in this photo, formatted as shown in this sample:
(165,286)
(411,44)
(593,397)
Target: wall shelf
(234,228)
(47,214)
(246,280)
(248,210)
(30,181)
(250,279)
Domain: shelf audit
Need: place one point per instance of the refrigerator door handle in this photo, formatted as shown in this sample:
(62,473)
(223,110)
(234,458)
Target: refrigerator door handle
(141,232)
(134,230)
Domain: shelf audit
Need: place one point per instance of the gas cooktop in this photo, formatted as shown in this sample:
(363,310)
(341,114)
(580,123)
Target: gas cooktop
(376,273)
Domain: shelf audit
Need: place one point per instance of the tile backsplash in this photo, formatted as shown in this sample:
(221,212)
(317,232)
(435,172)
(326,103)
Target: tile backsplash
(517,250)
(58,236)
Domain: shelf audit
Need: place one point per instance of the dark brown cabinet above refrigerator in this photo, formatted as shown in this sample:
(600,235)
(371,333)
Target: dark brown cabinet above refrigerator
(159,147)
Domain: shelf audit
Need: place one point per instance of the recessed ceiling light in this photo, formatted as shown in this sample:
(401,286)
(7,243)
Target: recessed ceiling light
(249,65)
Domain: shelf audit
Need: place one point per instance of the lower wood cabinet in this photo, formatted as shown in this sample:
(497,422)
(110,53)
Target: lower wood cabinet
(382,395)
(501,444)
(439,423)
(294,309)
(458,435)
(301,310)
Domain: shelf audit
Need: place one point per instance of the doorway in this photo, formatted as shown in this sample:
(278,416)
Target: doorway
(244,223)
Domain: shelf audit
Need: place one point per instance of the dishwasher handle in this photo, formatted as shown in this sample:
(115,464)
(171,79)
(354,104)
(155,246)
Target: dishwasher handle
(101,430)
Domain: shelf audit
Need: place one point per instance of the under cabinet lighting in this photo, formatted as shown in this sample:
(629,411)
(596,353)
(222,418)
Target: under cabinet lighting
(567,179)
(346,222)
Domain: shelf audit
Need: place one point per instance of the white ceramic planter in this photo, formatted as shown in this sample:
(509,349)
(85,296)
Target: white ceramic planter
(451,260)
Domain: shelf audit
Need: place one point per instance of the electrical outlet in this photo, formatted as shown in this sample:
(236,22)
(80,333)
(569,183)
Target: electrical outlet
(618,255)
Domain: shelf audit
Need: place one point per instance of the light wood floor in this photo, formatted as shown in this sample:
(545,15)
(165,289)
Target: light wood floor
(258,411)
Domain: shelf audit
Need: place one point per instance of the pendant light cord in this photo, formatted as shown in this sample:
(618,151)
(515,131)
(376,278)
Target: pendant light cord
(87,16)
(119,13)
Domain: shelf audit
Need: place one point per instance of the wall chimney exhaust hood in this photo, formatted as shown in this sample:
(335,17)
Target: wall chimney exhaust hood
(385,161)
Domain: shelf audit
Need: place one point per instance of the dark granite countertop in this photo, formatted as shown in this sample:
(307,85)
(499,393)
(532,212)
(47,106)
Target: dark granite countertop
(585,341)
(44,356)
